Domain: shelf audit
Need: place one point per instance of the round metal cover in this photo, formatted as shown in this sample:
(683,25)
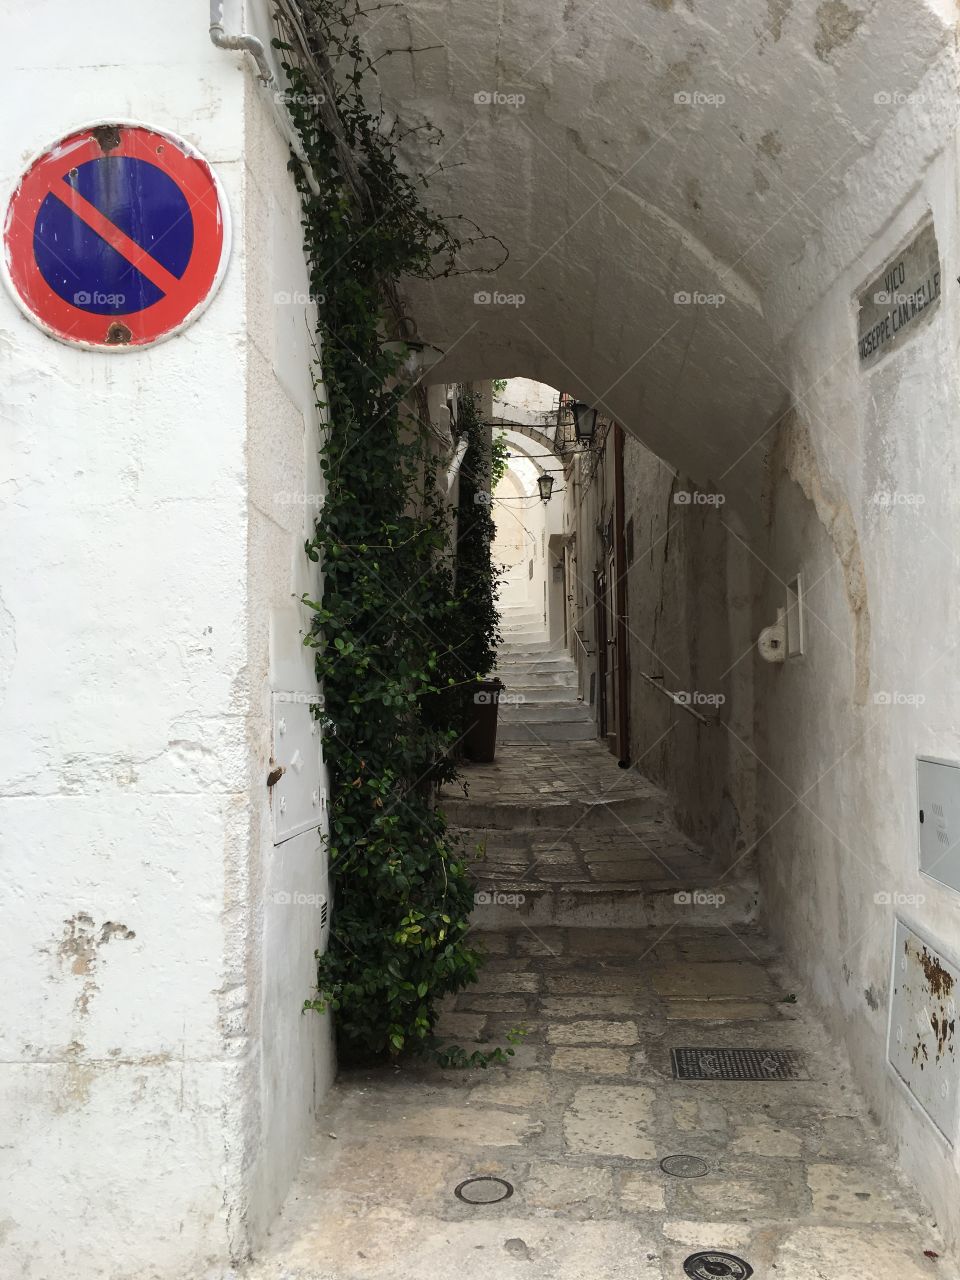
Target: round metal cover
(684,1166)
(483,1189)
(711,1265)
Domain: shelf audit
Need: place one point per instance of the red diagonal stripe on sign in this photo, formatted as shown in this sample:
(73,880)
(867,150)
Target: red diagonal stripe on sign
(115,238)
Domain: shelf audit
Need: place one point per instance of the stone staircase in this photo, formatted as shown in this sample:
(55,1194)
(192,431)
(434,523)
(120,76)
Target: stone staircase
(540,702)
(558,835)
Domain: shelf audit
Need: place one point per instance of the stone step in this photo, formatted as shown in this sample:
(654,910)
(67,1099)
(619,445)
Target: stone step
(546,733)
(538,690)
(530,649)
(535,693)
(550,660)
(529,905)
(566,712)
(527,617)
(618,814)
(537,665)
(530,676)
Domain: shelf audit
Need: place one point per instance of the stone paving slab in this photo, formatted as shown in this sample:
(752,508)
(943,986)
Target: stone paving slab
(534,774)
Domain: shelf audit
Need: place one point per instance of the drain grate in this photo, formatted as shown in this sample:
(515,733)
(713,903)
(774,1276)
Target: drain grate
(738,1064)
(684,1166)
(711,1265)
(483,1189)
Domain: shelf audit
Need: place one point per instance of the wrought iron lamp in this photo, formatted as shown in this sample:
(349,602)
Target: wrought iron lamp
(584,422)
(545,485)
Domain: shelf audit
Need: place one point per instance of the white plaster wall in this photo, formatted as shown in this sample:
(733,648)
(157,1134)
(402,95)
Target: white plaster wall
(510,544)
(540,525)
(519,542)
(838,778)
(156,1074)
(529,402)
(296,1063)
(689,623)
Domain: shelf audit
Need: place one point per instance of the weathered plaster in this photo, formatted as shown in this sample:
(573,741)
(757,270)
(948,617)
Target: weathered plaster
(795,454)
(158,1078)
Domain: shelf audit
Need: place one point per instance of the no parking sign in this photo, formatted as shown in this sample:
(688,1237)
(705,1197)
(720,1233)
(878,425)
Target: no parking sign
(116,237)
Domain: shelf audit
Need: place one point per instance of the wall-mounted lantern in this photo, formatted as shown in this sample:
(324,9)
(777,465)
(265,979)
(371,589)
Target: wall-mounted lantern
(584,422)
(545,485)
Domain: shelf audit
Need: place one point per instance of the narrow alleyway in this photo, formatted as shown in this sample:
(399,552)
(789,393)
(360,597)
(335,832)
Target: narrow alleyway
(540,701)
(631,324)
(611,941)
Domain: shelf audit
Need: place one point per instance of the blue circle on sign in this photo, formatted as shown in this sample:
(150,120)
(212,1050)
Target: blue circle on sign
(141,201)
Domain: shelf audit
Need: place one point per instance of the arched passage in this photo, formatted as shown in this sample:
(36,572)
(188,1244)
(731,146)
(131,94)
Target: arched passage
(700,207)
(630,158)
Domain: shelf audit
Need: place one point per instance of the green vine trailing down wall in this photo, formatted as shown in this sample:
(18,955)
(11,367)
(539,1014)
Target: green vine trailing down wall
(484,463)
(396,648)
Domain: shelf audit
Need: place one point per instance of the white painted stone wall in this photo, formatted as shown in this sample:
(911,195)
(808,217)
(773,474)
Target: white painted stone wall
(158,1077)
(865,503)
(526,401)
(530,531)
(689,622)
(861,498)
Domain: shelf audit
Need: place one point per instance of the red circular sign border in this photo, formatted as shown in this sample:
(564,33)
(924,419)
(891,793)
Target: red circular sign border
(211,218)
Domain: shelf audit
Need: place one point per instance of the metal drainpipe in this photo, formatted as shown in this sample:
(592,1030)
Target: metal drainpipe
(249,44)
(255,48)
(454,468)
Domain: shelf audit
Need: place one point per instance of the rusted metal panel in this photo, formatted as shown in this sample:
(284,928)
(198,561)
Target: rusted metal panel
(921,1044)
(294,778)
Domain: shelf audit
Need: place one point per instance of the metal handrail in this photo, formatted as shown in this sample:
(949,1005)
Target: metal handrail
(586,651)
(654,681)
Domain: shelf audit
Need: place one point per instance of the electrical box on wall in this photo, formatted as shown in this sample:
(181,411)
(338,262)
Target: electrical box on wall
(921,1040)
(297,798)
(938,801)
(795,617)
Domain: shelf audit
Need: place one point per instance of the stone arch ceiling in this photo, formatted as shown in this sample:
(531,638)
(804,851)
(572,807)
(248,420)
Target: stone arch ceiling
(613,195)
(525,437)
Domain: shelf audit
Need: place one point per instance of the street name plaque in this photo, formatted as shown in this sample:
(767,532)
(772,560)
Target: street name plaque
(900,300)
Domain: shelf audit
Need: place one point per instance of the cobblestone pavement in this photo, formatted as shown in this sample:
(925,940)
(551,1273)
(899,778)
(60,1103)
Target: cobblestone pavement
(562,835)
(795,1179)
(551,773)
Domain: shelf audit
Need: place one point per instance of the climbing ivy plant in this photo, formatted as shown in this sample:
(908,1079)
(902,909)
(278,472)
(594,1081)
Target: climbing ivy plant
(484,463)
(395,650)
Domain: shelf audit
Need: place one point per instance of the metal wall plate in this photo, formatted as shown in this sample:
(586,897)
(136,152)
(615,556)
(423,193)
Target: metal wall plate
(297,798)
(921,1038)
(938,801)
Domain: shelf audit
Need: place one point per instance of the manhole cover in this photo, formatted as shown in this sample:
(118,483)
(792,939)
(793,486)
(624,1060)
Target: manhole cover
(710,1265)
(483,1190)
(738,1064)
(682,1166)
